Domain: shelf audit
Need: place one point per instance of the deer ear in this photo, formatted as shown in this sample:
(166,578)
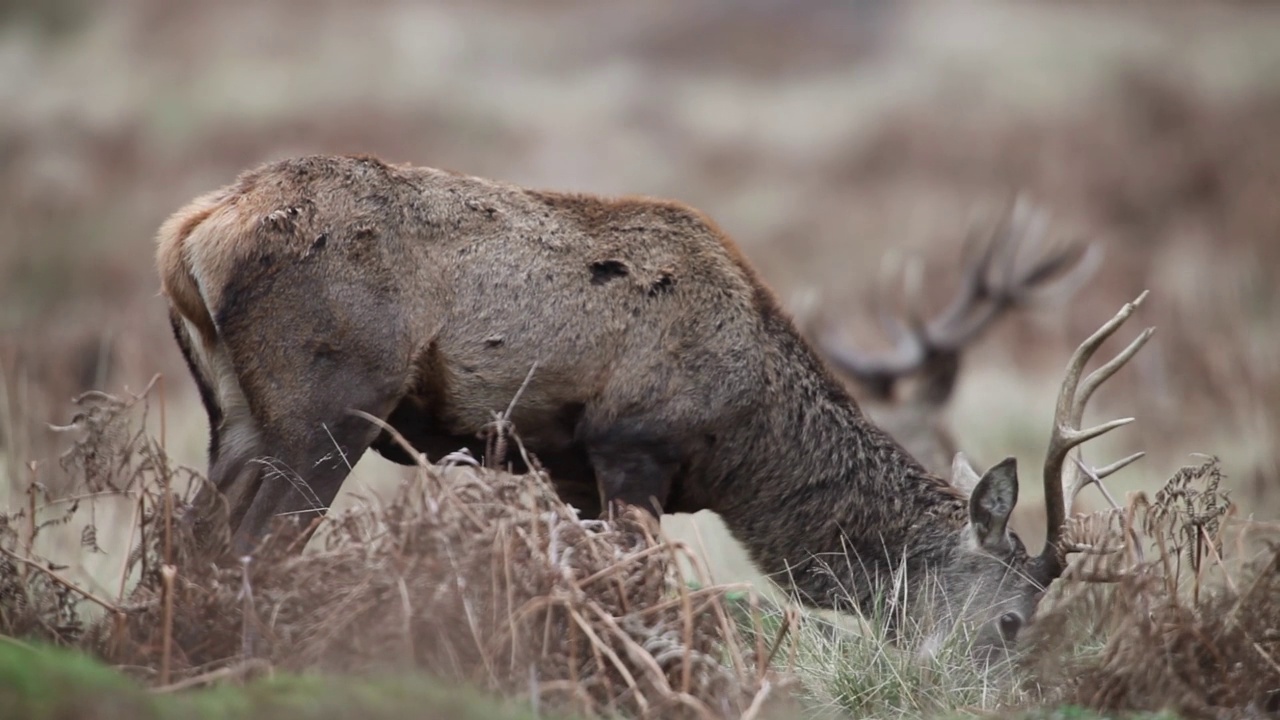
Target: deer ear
(963,477)
(992,502)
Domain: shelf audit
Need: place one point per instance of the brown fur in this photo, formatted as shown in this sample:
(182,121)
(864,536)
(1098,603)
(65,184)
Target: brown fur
(667,376)
(918,421)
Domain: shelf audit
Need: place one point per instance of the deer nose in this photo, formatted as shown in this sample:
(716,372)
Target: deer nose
(1010,624)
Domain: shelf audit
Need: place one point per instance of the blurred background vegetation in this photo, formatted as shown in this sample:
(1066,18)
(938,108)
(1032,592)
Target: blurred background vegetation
(822,135)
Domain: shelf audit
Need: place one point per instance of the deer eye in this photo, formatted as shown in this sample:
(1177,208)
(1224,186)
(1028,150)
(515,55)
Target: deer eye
(1010,624)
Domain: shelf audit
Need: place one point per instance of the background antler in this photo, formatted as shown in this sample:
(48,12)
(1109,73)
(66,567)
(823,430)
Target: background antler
(993,283)
(1063,480)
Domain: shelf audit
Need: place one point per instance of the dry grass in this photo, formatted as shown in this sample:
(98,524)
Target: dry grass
(467,573)
(1150,133)
(1179,609)
(1174,609)
(479,576)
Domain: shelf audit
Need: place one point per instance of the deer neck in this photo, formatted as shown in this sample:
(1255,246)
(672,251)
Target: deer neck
(839,506)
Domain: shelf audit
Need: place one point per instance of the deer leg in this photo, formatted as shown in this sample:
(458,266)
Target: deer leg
(574,477)
(570,468)
(309,459)
(304,437)
(635,468)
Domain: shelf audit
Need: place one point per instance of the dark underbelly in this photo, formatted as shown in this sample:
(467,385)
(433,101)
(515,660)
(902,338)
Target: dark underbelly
(569,468)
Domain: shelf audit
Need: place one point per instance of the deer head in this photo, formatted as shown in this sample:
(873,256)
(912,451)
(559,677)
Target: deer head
(992,570)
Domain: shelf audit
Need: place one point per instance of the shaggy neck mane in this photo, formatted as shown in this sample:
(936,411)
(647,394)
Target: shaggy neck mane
(857,506)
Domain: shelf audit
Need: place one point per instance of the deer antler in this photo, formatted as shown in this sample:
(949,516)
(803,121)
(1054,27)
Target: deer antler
(1063,480)
(992,284)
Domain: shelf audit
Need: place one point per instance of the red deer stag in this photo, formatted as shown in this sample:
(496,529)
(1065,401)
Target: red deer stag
(906,389)
(666,375)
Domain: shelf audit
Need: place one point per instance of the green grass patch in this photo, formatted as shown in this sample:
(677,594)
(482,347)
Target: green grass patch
(43,683)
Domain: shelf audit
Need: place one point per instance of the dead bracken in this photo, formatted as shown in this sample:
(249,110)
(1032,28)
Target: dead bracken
(485,577)
(1190,622)
(468,573)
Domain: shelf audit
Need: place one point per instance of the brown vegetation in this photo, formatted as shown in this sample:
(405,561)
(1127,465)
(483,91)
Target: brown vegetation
(1177,608)
(484,577)
(469,574)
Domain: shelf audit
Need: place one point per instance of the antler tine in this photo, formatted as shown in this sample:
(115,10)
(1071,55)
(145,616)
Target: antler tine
(974,285)
(1094,476)
(912,286)
(1063,481)
(992,282)
(1067,260)
(1086,476)
(878,373)
(983,299)
(1102,374)
(1072,265)
(887,321)
(967,316)
(1071,403)
(1106,471)
(1021,232)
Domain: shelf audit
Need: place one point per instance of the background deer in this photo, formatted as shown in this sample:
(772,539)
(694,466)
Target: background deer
(906,390)
(666,376)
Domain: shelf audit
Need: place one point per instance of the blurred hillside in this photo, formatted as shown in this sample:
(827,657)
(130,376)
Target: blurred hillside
(821,135)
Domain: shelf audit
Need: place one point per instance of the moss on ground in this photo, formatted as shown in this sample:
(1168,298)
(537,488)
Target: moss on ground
(1074,712)
(54,684)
